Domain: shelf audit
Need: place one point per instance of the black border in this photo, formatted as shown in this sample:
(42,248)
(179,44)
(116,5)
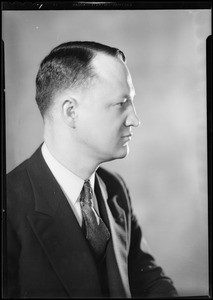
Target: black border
(209,150)
(61,5)
(124,5)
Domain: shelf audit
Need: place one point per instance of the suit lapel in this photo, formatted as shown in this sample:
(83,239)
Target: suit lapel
(59,233)
(116,252)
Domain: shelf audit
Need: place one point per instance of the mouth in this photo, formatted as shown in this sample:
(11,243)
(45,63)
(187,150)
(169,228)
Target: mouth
(127,136)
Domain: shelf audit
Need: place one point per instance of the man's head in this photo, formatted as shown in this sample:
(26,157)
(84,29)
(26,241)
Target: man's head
(87,91)
(68,66)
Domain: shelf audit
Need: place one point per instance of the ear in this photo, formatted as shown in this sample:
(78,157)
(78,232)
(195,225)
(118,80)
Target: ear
(69,111)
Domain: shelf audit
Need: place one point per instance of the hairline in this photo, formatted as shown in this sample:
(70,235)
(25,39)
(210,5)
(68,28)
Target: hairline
(83,83)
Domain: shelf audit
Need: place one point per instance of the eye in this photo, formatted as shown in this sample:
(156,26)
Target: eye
(122,103)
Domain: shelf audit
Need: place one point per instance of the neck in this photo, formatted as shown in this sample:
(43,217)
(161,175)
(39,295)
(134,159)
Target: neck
(71,157)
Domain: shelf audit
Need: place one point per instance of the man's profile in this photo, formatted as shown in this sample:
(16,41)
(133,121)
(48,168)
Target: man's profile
(71,229)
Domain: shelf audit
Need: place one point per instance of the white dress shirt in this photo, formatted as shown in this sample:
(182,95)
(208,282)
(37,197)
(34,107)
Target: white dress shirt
(70,183)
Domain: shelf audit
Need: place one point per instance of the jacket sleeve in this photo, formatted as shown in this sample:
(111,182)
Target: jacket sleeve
(146,278)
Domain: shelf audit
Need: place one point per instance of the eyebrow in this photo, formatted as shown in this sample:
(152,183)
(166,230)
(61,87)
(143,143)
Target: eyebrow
(130,96)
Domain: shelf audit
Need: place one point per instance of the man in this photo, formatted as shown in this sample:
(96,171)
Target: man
(70,227)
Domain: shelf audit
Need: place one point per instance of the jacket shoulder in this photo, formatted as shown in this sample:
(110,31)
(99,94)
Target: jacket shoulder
(112,178)
(19,191)
(17,171)
(115,185)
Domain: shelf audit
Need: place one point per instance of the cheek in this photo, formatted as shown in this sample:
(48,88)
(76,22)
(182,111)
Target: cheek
(103,126)
(93,129)
(103,135)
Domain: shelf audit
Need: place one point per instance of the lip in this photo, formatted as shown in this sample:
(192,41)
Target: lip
(127,136)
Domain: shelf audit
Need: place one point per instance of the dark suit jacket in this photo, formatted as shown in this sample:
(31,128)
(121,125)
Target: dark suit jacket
(47,253)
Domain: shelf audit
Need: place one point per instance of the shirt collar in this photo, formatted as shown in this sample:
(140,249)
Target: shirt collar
(70,183)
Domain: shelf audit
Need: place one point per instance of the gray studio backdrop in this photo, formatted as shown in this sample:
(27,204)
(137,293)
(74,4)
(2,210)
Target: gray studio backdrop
(166,170)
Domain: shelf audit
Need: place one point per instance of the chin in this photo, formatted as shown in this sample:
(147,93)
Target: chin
(123,152)
(118,154)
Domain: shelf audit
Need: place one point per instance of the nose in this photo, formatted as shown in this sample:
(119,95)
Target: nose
(132,118)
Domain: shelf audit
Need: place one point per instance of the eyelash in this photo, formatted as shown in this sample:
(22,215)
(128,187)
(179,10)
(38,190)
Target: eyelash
(122,103)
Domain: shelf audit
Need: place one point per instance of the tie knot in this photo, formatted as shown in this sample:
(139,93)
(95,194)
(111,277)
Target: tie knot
(87,185)
(86,194)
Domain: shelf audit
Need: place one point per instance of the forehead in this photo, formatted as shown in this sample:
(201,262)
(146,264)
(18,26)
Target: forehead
(113,73)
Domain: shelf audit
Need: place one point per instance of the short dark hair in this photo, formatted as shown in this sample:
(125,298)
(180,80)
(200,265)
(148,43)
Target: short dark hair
(68,66)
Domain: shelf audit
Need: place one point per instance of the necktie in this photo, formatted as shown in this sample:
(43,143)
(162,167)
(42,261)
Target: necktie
(95,229)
